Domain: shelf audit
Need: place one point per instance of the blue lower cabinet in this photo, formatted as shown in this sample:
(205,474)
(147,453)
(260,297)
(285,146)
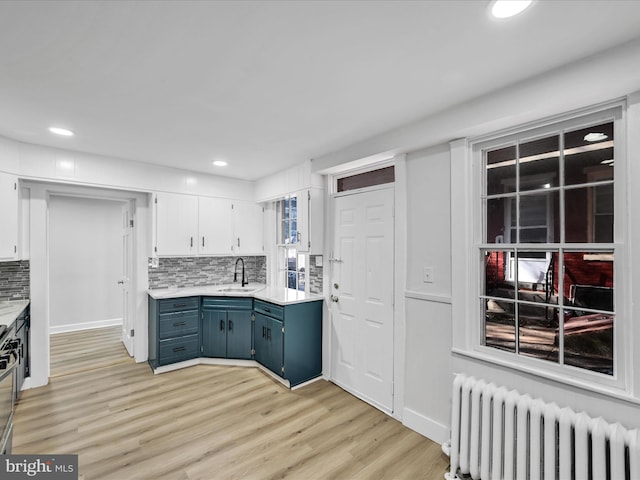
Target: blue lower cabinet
(269,343)
(178,349)
(288,339)
(227,327)
(174,330)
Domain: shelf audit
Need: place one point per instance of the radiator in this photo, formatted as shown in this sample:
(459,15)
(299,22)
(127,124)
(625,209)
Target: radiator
(500,434)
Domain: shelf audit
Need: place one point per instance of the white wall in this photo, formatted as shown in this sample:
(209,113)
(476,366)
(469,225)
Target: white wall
(427,305)
(85,263)
(34,162)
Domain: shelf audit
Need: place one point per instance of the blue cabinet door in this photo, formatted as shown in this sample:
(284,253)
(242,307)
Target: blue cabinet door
(261,345)
(214,333)
(275,339)
(239,334)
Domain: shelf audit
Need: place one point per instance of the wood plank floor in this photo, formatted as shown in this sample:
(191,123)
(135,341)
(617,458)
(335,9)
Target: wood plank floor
(208,423)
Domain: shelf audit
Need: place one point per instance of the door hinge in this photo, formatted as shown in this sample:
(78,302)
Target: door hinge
(282,369)
(253,317)
(201,348)
(282,329)
(253,351)
(308,195)
(155,200)
(309,244)
(133,333)
(15,185)
(131,223)
(155,249)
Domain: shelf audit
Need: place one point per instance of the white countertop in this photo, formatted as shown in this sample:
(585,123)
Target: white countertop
(10,310)
(279,296)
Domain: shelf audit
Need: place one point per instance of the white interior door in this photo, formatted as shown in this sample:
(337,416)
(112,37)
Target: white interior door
(125,281)
(362,296)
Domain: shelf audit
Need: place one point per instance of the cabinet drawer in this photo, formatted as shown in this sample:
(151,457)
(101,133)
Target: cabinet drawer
(274,311)
(226,303)
(178,324)
(169,305)
(178,349)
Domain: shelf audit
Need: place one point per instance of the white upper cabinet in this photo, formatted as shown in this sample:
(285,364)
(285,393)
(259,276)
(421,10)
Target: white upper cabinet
(189,225)
(215,222)
(9,217)
(176,224)
(248,229)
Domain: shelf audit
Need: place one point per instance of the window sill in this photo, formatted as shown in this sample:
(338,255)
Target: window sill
(587,387)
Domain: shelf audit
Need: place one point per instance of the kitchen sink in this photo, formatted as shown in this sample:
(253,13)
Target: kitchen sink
(236,289)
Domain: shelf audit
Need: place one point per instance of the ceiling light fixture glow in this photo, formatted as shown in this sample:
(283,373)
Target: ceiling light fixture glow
(509,8)
(220,163)
(595,137)
(61,131)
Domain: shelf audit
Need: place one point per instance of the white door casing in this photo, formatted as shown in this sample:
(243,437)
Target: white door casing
(362,289)
(127,247)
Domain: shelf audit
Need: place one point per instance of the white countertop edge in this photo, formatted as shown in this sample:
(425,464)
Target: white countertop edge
(260,291)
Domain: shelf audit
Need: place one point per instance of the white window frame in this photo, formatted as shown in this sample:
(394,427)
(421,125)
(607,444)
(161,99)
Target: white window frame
(467,241)
(283,248)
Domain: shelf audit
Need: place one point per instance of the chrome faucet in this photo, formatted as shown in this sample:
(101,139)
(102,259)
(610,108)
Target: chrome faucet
(235,273)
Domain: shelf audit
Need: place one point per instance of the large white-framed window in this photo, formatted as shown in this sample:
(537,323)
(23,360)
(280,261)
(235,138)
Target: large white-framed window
(545,261)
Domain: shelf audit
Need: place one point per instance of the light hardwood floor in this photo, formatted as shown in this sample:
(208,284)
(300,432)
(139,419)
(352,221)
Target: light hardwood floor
(207,422)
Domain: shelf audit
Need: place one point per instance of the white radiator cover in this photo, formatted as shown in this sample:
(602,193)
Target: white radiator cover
(500,434)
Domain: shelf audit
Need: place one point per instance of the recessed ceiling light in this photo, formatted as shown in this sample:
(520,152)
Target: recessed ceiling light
(508,8)
(220,163)
(595,137)
(61,131)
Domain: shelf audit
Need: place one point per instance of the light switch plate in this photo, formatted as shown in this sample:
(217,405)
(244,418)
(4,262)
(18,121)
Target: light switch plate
(318,260)
(427,275)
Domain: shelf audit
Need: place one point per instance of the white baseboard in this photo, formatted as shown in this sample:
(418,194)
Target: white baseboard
(431,429)
(74,327)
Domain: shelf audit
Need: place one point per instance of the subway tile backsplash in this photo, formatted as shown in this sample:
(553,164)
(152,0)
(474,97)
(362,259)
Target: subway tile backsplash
(14,280)
(199,271)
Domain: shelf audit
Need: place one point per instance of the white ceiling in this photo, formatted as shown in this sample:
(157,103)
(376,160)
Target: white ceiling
(268,84)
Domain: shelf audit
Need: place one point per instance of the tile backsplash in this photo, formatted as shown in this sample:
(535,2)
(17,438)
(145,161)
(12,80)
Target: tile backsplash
(14,280)
(199,271)
(315,275)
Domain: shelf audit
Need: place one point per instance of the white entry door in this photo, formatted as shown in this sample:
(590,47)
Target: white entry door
(125,281)
(362,296)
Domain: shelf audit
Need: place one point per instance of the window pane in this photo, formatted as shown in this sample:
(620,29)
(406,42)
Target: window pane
(536,276)
(497,265)
(501,170)
(500,330)
(588,280)
(538,217)
(498,209)
(588,341)
(539,164)
(589,161)
(367,179)
(538,331)
(589,214)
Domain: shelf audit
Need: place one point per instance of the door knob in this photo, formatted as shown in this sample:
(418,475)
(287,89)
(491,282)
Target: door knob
(120,282)
(335,298)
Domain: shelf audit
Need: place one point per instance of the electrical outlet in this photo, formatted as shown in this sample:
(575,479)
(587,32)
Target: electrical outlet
(427,275)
